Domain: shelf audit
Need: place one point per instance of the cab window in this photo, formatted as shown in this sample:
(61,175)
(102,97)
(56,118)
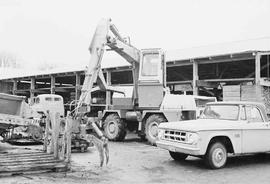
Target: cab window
(150,65)
(48,99)
(57,99)
(243,114)
(37,100)
(253,114)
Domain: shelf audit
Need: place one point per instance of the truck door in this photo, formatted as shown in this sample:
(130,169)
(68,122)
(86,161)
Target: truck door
(256,132)
(151,78)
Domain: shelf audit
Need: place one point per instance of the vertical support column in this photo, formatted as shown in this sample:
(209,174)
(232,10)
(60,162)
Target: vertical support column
(32,89)
(195,77)
(15,86)
(77,87)
(52,84)
(257,68)
(68,137)
(108,93)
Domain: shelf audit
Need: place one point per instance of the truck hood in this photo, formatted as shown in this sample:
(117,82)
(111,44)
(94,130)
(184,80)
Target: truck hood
(202,124)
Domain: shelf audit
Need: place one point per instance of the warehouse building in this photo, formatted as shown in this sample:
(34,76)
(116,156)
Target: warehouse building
(200,70)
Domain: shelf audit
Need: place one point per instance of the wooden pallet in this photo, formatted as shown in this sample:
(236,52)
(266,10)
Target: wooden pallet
(32,162)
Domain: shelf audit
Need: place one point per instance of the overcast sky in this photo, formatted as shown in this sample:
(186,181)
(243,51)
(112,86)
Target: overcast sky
(59,31)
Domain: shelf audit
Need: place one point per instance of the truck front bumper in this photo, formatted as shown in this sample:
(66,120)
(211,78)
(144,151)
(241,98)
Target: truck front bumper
(178,147)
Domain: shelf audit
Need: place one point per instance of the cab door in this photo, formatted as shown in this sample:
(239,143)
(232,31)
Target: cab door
(256,131)
(152,78)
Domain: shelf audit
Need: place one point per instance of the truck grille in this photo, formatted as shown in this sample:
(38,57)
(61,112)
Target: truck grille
(173,135)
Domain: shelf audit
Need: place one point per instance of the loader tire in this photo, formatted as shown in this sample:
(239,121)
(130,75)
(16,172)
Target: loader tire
(151,127)
(114,128)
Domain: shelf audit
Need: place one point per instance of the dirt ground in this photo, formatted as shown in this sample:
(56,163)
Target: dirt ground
(134,161)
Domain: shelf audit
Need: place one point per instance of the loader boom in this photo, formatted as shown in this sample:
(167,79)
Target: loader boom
(106,34)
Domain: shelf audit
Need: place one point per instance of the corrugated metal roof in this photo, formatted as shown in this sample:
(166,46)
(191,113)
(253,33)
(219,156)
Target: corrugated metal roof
(262,44)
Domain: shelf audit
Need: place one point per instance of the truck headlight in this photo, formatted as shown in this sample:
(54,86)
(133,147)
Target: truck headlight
(161,133)
(192,138)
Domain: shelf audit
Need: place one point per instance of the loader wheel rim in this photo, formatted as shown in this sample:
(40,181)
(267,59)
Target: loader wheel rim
(153,130)
(112,128)
(219,157)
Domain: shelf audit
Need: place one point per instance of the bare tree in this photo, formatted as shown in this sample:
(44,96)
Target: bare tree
(8,60)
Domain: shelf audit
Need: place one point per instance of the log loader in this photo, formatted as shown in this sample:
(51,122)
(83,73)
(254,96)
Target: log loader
(150,103)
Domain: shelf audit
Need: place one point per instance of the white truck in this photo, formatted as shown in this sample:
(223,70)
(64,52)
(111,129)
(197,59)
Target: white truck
(21,122)
(44,102)
(223,128)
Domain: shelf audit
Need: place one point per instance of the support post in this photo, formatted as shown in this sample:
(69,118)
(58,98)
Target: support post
(52,84)
(68,137)
(77,87)
(15,86)
(32,89)
(46,136)
(195,77)
(108,93)
(257,68)
(55,120)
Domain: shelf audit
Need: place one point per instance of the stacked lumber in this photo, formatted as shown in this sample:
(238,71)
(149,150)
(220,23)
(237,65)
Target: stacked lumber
(232,93)
(254,93)
(28,163)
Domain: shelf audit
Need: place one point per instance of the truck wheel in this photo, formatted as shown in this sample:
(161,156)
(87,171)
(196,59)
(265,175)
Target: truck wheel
(216,156)
(178,156)
(151,127)
(114,128)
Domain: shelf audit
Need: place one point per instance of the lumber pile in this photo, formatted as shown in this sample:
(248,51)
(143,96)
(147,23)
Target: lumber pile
(255,93)
(55,156)
(32,162)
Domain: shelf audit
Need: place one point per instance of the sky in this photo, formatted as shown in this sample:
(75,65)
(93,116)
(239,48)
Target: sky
(59,31)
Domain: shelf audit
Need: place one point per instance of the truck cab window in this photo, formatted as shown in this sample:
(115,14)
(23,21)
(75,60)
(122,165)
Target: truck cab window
(253,114)
(57,99)
(37,100)
(150,64)
(243,114)
(48,99)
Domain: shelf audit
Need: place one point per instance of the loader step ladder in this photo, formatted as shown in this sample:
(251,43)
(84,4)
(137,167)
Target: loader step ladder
(28,163)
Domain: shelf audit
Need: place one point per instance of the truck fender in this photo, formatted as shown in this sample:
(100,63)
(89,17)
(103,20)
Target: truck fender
(146,114)
(235,142)
(107,112)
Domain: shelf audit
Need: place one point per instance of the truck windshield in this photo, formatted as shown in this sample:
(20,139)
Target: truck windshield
(226,112)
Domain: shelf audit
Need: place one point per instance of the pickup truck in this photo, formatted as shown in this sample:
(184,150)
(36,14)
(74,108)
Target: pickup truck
(223,128)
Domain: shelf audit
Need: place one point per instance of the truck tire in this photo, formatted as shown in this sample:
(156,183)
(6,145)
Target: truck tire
(114,128)
(151,127)
(216,156)
(178,156)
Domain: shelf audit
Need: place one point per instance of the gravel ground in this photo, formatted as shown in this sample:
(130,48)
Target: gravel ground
(134,161)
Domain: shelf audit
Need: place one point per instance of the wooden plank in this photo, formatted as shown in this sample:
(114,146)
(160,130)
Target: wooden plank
(32,162)
(46,137)
(8,174)
(203,83)
(26,158)
(32,167)
(231,99)
(231,88)
(20,160)
(25,153)
(231,93)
